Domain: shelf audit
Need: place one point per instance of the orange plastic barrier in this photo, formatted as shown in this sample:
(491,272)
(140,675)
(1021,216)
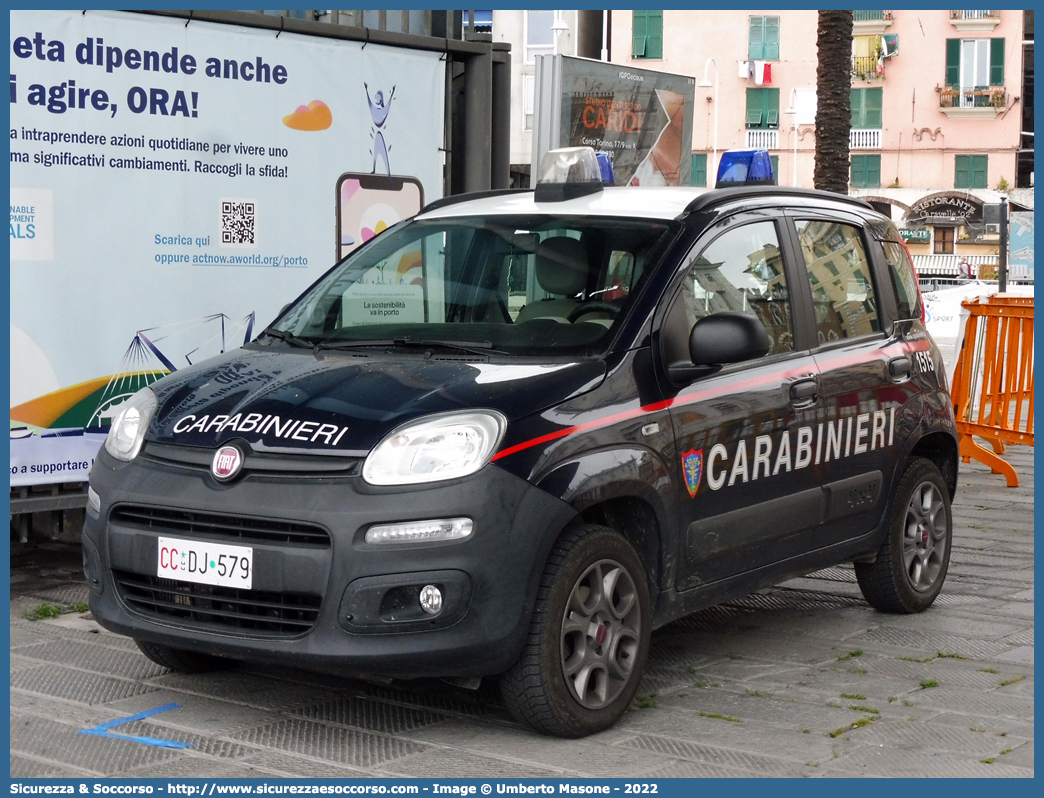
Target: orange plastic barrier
(993,382)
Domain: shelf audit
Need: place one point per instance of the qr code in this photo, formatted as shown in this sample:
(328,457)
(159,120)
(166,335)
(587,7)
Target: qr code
(238,223)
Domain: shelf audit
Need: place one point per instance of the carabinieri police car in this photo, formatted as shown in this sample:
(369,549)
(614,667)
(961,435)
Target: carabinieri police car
(513,435)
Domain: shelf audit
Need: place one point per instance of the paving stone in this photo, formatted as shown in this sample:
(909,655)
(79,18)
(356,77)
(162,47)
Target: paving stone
(712,755)
(330,743)
(248,689)
(920,764)
(935,737)
(59,742)
(370,715)
(281,764)
(188,766)
(24,767)
(584,757)
(91,657)
(202,714)
(88,688)
(443,764)
(1023,655)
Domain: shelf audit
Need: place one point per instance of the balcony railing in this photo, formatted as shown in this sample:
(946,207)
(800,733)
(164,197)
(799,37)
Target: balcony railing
(864,67)
(860,139)
(974,14)
(870,16)
(762,139)
(973,98)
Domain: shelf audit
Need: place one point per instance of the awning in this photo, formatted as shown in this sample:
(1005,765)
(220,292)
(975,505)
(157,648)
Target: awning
(949,265)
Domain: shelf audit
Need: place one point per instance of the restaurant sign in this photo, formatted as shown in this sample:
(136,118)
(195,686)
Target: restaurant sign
(916,236)
(945,210)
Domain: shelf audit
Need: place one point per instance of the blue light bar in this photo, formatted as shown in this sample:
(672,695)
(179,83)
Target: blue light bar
(745,168)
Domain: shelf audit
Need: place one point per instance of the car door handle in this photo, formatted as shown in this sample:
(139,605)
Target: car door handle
(804,392)
(900,366)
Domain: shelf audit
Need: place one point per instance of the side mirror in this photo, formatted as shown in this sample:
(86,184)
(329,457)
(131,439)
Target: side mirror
(727,338)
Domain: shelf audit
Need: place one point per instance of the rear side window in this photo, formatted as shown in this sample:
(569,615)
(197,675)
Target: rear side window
(905,279)
(842,289)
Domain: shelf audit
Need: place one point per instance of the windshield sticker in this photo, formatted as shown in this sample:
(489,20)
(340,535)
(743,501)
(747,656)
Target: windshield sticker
(373,304)
(289,429)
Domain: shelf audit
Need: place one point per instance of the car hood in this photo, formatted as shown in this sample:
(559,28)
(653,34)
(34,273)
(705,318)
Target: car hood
(342,404)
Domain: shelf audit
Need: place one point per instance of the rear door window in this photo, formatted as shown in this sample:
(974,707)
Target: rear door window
(905,279)
(839,272)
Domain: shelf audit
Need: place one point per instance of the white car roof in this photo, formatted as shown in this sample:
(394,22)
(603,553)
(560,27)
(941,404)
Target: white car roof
(640,203)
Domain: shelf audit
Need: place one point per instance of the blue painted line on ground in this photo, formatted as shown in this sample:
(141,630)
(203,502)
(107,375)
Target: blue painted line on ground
(102,729)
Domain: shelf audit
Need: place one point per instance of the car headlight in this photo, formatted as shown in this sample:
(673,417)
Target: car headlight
(435,448)
(128,428)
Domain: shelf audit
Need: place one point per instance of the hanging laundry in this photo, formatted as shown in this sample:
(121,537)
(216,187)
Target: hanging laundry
(881,57)
(759,73)
(768,72)
(744,70)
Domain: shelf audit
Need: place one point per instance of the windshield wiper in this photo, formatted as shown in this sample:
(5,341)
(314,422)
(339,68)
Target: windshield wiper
(289,338)
(474,347)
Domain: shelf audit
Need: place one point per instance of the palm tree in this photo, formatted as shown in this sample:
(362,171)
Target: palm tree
(834,104)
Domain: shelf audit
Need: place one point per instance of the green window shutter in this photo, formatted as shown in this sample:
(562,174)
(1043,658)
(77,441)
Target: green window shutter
(639,33)
(872,170)
(953,62)
(962,171)
(856,98)
(654,44)
(698,175)
(775,168)
(996,62)
(978,170)
(755,111)
(771,39)
(770,103)
(756,47)
(872,99)
(857,178)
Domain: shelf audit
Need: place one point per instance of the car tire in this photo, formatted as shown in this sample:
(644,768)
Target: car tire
(180,660)
(911,565)
(586,649)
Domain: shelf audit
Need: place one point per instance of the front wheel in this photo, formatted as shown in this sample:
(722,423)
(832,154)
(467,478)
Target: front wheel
(911,565)
(588,640)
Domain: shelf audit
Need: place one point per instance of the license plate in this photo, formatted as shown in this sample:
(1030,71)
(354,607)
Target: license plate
(205,563)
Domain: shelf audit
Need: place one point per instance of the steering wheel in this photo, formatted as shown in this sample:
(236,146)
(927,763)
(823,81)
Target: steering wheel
(591,307)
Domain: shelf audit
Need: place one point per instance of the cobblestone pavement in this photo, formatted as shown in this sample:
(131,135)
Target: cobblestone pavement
(803,679)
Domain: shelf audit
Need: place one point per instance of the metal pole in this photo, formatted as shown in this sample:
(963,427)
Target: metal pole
(715,165)
(478,124)
(1003,271)
(605,35)
(500,151)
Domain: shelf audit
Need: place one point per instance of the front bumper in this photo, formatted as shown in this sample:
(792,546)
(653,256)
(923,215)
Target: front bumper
(353,624)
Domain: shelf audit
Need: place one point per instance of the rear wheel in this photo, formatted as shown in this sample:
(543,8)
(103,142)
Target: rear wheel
(911,565)
(589,637)
(178,659)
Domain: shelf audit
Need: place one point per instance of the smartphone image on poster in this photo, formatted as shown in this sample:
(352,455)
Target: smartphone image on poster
(368,204)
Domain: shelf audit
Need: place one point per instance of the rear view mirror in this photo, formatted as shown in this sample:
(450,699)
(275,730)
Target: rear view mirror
(727,338)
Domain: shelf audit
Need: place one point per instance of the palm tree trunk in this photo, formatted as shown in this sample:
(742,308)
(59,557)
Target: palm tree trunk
(834,105)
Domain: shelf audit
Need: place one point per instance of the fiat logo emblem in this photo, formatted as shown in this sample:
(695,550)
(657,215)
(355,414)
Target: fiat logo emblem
(226,463)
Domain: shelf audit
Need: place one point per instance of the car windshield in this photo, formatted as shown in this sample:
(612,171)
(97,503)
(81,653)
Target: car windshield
(517,285)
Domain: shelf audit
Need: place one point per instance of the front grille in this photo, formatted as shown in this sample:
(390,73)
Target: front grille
(240,528)
(257,612)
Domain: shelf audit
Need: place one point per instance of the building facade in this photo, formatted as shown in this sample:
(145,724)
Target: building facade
(937,111)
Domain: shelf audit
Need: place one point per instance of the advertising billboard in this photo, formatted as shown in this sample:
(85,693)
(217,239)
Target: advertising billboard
(173,185)
(641,118)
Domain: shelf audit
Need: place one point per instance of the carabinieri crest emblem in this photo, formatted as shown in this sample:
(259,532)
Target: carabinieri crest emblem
(692,469)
